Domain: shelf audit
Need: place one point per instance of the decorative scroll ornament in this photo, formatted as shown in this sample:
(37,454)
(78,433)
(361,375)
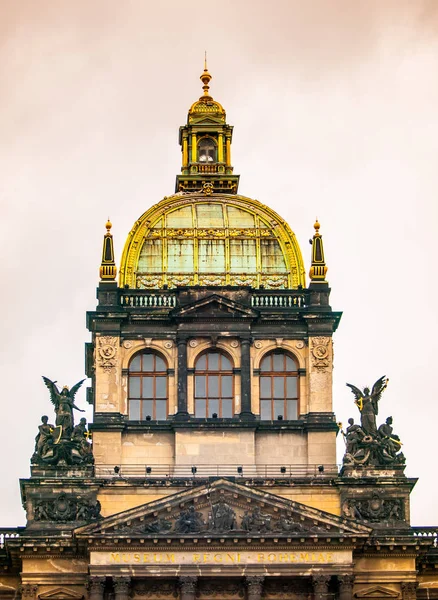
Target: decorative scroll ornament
(107,352)
(65,508)
(320,353)
(207,188)
(156,589)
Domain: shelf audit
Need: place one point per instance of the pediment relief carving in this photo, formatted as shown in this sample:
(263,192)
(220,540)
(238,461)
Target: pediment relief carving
(224,508)
(61,594)
(377,591)
(215,306)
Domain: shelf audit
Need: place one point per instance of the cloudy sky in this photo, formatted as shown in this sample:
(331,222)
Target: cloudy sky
(334,104)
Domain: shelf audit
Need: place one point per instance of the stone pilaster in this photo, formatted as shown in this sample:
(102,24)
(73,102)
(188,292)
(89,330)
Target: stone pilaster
(320,583)
(187,587)
(254,587)
(96,586)
(182,380)
(409,590)
(245,370)
(346,581)
(122,587)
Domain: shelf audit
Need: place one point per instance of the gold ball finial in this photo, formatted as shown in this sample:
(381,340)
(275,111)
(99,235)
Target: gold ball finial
(108,225)
(317,225)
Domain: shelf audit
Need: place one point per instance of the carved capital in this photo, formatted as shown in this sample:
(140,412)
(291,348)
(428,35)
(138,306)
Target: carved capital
(122,586)
(346,581)
(254,586)
(96,586)
(320,583)
(28,590)
(187,586)
(409,590)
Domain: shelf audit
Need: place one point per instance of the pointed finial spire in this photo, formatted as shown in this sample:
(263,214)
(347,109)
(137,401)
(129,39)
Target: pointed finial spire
(318,269)
(108,269)
(205,78)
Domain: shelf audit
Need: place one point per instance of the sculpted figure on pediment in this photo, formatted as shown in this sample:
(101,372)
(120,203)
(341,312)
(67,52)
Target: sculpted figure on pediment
(223,517)
(189,521)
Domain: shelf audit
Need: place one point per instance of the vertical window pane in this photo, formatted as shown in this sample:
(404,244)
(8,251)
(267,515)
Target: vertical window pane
(292,409)
(160,409)
(134,387)
(200,388)
(200,409)
(147,409)
(265,410)
(213,407)
(291,387)
(265,387)
(211,256)
(278,408)
(213,386)
(226,364)
(227,409)
(148,362)
(180,255)
(210,215)
(278,362)
(290,364)
(160,387)
(213,361)
(265,365)
(147,387)
(160,365)
(278,387)
(227,382)
(135,364)
(201,364)
(134,410)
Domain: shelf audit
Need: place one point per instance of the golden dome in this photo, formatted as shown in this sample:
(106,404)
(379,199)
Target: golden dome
(223,239)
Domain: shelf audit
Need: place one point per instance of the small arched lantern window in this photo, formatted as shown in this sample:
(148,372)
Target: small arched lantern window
(147,387)
(278,386)
(206,150)
(214,385)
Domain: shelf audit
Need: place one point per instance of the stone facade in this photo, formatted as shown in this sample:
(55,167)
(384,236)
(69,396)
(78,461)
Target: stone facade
(212,471)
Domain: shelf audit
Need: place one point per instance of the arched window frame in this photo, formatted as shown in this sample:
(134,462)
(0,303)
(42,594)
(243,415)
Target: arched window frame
(279,388)
(202,142)
(148,388)
(214,386)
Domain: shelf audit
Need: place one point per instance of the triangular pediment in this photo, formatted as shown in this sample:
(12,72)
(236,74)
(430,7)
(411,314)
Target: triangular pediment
(376,591)
(220,509)
(215,306)
(60,594)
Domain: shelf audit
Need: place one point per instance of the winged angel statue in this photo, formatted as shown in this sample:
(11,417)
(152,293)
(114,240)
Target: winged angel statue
(64,404)
(368,404)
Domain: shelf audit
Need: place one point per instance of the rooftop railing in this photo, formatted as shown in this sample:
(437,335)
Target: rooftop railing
(260,299)
(430,533)
(280,471)
(9,532)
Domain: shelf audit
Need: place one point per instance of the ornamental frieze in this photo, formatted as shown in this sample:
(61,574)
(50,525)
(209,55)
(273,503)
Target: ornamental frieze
(65,508)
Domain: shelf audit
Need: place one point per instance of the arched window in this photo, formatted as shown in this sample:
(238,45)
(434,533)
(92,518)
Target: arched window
(147,395)
(206,150)
(278,387)
(214,384)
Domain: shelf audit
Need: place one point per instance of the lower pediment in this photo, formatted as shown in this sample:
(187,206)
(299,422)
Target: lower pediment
(376,591)
(223,509)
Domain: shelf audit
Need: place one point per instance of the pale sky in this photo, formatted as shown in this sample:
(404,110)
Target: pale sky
(334,105)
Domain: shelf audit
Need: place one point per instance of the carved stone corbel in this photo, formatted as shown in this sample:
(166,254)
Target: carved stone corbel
(187,586)
(254,586)
(96,586)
